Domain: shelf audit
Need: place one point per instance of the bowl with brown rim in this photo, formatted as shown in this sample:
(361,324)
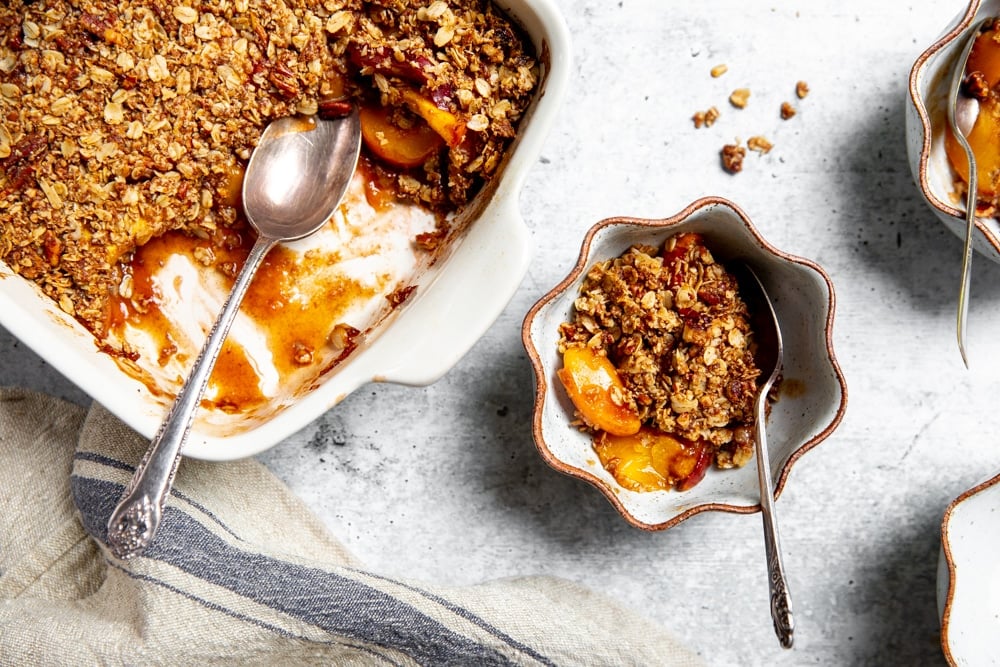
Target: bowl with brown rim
(807,409)
(926,130)
(967,584)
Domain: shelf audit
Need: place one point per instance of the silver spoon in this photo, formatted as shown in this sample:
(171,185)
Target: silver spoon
(962,114)
(294,182)
(768,358)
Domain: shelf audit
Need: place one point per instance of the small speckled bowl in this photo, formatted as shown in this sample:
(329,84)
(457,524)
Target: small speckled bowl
(968,578)
(813,395)
(926,120)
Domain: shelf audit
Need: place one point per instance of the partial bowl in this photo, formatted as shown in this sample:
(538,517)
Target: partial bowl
(968,579)
(813,393)
(458,298)
(926,123)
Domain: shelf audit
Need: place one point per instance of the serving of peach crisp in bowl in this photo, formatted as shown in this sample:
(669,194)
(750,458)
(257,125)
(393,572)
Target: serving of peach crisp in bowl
(938,162)
(124,134)
(645,371)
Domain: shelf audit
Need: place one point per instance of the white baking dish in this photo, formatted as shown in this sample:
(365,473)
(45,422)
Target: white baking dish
(458,297)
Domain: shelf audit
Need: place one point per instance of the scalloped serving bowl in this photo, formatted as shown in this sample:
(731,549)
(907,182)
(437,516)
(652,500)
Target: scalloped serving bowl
(458,298)
(926,121)
(968,576)
(813,393)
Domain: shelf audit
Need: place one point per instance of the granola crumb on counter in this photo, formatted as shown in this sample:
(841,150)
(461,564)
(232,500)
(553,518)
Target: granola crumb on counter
(672,323)
(801,89)
(759,144)
(719,70)
(732,157)
(705,118)
(740,97)
(123,120)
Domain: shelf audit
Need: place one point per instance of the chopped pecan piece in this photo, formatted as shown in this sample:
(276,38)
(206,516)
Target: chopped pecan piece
(332,109)
(100,27)
(976,86)
(732,157)
(283,79)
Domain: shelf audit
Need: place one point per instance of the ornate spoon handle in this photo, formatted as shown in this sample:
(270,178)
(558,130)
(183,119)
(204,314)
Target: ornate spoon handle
(781,602)
(134,522)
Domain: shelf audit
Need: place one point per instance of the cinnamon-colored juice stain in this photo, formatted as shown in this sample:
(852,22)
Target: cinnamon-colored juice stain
(296,322)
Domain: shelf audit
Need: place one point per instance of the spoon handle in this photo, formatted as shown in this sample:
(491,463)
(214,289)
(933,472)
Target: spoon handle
(134,521)
(781,601)
(954,91)
(970,224)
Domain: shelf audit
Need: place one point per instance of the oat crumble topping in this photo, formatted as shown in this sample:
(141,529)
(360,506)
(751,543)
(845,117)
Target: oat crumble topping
(705,118)
(673,324)
(120,121)
(740,97)
(759,144)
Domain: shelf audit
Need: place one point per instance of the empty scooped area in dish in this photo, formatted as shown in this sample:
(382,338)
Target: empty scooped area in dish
(311,304)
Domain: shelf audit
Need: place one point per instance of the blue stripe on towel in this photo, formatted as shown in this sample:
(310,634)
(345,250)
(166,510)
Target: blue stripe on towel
(119,465)
(469,616)
(242,617)
(336,604)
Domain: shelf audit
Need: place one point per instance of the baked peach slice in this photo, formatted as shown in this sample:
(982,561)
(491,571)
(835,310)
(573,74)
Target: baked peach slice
(984,138)
(449,126)
(651,460)
(402,147)
(597,392)
(629,459)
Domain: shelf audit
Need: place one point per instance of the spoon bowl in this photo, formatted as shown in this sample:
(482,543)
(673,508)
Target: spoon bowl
(296,176)
(294,183)
(926,122)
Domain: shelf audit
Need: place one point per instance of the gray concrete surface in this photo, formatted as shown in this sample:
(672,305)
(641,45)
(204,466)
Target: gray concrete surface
(443,483)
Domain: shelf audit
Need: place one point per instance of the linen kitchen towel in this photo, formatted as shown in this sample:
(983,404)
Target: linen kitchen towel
(242,573)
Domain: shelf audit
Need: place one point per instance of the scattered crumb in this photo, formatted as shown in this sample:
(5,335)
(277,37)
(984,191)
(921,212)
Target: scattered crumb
(759,144)
(719,70)
(739,97)
(705,118)
(733,154)
(732,157)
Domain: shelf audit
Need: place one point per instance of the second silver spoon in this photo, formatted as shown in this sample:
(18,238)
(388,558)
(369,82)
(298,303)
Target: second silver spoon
(962,112)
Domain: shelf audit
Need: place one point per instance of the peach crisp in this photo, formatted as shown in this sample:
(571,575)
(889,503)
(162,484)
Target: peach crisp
(124,120)
(658,363)
(125,127)
(980,83)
